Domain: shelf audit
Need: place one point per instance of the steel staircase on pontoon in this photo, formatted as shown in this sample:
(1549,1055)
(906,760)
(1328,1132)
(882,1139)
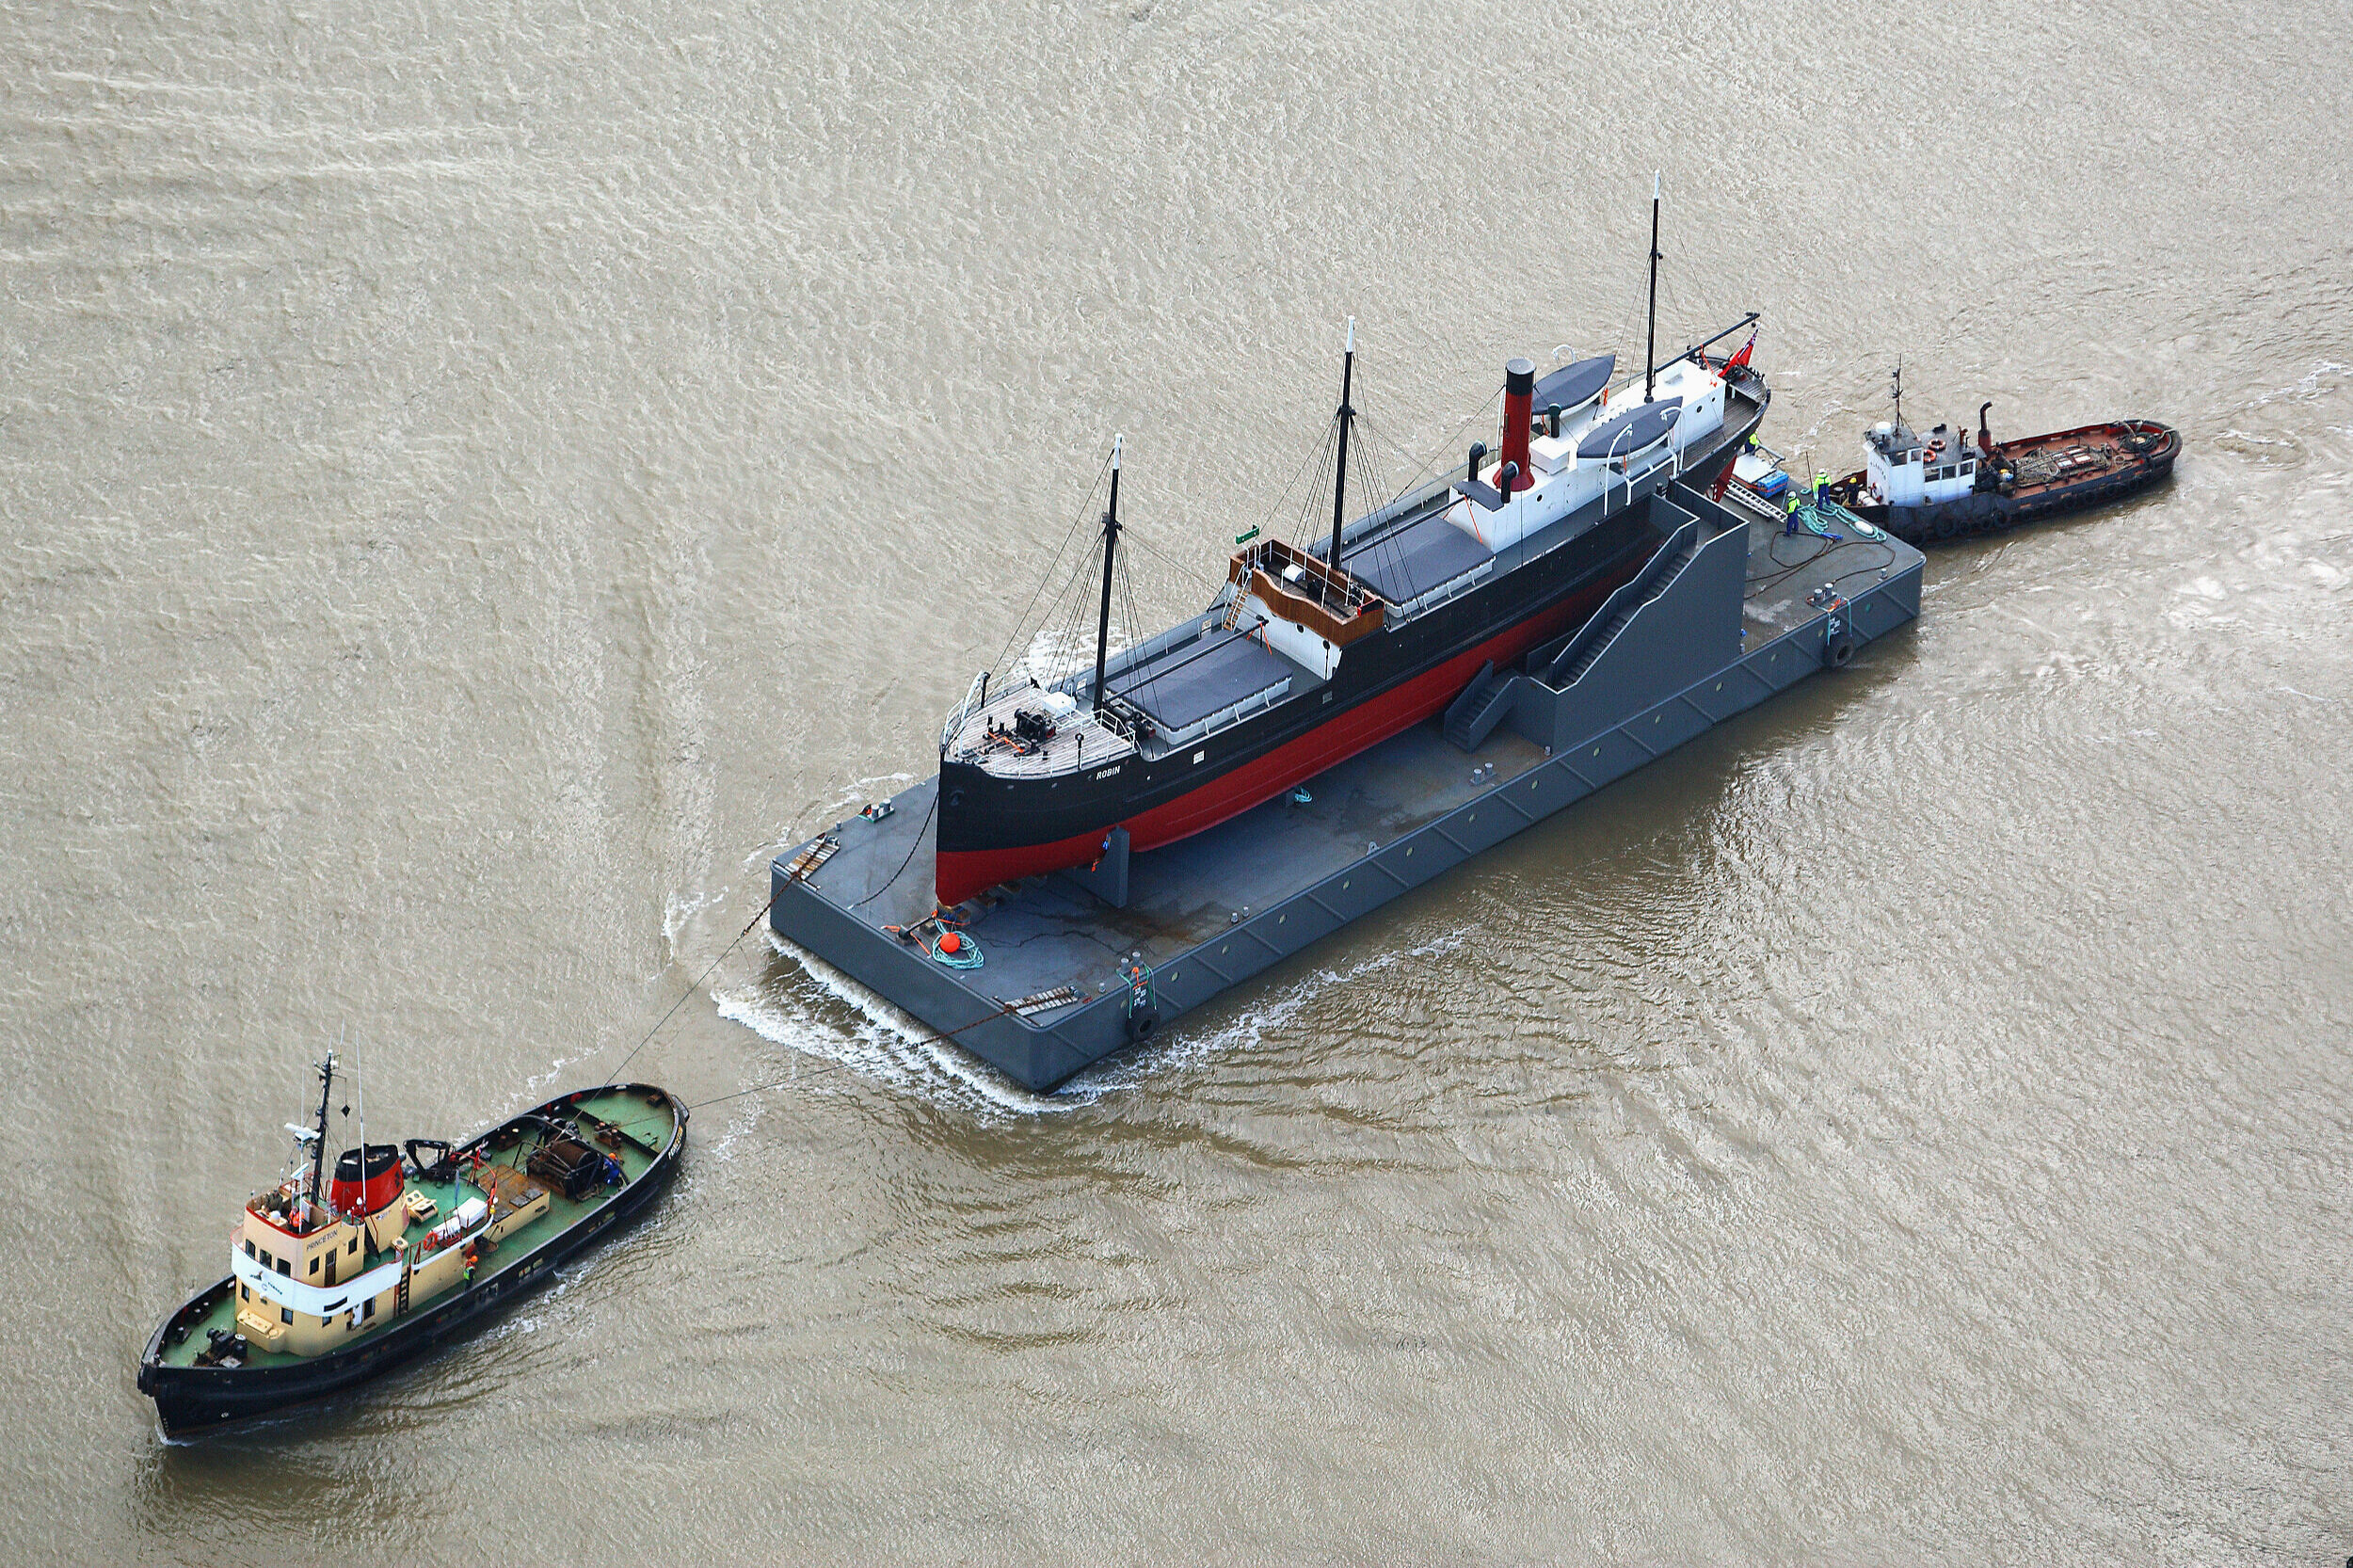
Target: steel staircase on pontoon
(1473,716)
(1580,653)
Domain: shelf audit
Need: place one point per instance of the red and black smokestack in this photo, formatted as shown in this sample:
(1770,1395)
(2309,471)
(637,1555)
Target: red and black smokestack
(1519,391)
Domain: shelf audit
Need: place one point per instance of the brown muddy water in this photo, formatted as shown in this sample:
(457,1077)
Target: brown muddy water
(479,478)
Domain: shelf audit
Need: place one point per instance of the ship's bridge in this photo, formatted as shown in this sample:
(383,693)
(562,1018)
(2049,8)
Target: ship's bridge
(1904,469)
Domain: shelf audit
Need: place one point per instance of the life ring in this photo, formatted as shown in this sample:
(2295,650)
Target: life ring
(1838,652)
(1143,1024)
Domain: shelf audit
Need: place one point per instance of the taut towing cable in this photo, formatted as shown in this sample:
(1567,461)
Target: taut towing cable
(698,984)
(1001,1011)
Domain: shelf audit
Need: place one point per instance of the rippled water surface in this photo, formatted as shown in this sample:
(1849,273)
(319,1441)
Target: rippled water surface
(477,478)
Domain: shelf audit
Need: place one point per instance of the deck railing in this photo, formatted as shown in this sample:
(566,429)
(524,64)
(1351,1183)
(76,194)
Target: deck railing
(975,698)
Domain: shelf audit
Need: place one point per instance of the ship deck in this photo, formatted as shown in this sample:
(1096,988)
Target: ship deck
(619,1106)
(1739,624)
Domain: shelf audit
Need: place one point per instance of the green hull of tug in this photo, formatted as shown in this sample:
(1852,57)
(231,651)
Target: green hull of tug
(640,1128)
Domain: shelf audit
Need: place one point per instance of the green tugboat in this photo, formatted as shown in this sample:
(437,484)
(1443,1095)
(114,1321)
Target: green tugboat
(340,1276)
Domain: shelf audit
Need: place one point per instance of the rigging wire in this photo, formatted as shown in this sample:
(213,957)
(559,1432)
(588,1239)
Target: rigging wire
(1128,593)
(1048,576)
(1149,549)
(1282,502)
(1305,524)
(1455,443)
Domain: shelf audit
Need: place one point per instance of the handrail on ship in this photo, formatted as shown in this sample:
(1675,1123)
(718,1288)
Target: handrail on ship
(975,697)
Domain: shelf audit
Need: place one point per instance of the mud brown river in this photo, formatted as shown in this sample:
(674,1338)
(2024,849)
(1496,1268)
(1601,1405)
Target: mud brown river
(477,479)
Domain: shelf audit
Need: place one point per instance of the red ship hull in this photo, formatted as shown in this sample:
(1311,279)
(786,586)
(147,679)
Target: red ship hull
(963,874)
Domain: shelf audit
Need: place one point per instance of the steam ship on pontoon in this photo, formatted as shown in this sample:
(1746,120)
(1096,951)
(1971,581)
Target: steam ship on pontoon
(341,1272)
(1306,656)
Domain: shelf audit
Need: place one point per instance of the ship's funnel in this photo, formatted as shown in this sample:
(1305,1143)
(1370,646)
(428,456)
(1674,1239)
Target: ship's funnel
(1519,391)
(351,1193)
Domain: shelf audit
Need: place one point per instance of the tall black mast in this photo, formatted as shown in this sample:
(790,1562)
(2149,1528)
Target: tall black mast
(1110,544)
(1339,485)
(1650,350)
(318,1157)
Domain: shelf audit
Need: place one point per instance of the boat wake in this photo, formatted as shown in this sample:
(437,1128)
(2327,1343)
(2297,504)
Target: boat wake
(880,1042)
(895,1048)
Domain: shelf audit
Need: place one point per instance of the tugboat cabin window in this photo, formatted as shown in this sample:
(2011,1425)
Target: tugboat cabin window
(285,1314)
(368,1309)
(315,1265)
(249,1247)
(355,1246)
(286,1268)
(245,1292)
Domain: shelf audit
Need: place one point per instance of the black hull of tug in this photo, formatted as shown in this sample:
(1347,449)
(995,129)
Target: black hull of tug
(194,1399)
(994,830)
(1991,512)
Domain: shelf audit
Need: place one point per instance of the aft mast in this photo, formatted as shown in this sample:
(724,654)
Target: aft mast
(1111,546)
(1650,349)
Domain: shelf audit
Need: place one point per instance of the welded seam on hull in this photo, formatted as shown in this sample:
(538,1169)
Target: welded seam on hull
(1248,929)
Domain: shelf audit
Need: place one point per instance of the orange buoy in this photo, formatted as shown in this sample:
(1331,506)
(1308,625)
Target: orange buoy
(951,943)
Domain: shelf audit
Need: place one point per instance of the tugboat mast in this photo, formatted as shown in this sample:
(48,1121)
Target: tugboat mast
(1339,485)
(318,1154)
(1650,350)
(1110,544)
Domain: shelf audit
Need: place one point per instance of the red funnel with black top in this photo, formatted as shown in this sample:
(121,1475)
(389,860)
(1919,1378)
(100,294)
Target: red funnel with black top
(349,1194)
(1519,394)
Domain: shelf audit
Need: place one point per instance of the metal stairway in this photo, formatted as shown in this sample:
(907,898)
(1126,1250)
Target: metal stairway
(1578,654)
(1473,716)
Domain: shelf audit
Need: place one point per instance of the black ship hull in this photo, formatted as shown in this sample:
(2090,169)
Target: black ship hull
(194,1399)
(994,830)
(1990,511)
